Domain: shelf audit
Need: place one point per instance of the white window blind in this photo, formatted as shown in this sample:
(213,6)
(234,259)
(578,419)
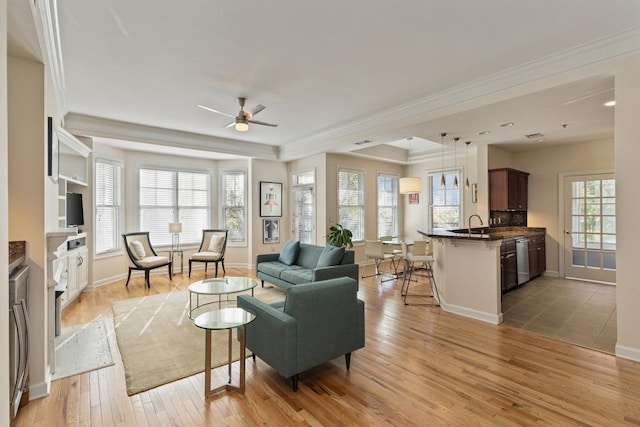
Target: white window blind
(168,196)
(303,206)
(108,211)
(387,205)
(444,206)
(234,210)
(351,201)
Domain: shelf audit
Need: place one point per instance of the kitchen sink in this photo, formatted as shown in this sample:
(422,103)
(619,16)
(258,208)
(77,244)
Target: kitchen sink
(476,230)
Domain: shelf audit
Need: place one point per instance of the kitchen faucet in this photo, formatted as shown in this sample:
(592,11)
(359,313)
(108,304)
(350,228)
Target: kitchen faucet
(469,221)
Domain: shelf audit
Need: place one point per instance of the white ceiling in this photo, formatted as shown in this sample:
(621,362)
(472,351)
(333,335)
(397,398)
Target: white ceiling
(331,73)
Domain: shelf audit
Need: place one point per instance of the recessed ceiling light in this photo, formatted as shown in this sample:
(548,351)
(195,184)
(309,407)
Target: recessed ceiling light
(506,125)
(484,132)
(609,103)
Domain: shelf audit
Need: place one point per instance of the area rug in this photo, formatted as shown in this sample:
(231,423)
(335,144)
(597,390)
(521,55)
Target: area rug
(159,342)
(82,348)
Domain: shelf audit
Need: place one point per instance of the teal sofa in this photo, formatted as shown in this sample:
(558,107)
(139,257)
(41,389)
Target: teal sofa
(299,263)
(316,322)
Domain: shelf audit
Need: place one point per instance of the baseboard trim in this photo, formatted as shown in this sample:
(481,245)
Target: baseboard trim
(473,314)
(628,353)
(41,389)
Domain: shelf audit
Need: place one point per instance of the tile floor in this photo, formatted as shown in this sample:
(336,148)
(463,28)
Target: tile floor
(582,313)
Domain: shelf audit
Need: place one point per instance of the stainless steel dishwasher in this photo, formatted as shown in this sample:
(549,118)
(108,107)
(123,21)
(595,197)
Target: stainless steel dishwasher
(522,257)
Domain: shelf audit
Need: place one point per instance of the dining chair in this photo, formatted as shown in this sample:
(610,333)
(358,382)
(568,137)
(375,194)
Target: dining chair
(373,249)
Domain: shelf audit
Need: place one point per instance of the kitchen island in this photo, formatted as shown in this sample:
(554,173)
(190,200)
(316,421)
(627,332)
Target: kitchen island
(467,269)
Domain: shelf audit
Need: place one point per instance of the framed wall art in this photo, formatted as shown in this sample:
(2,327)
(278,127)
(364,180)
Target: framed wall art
(270,198)
(270,231)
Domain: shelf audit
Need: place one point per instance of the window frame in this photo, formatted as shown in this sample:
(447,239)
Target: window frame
(117,234)
(434,178)
(394,207)
(176,207)
(358,235)
(223,206)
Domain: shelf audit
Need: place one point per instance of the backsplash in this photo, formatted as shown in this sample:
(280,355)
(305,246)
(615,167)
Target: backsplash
(508,218)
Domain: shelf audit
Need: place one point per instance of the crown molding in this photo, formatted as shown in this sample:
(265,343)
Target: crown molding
(45,16)
(581,62)
(92,126)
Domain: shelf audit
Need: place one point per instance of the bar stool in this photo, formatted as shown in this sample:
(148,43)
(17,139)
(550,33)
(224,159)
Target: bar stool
(422,256)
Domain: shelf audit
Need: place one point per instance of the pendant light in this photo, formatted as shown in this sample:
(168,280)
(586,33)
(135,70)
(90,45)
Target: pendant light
(455,161)
(443,182)
(466,184)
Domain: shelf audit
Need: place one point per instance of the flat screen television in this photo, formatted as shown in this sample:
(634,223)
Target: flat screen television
(75,214)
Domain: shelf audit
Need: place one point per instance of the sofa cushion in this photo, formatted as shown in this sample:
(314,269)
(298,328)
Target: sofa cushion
(272,268)
(153,261)
(216,243)
(297,276)
(308,255)
(331,255)
(289,252)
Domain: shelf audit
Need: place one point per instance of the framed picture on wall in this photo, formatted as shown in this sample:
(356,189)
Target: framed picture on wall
(270,231)
(414,198)
(270,198)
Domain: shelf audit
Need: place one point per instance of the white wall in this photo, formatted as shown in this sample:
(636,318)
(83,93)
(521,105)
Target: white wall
(4,217)
(627,159)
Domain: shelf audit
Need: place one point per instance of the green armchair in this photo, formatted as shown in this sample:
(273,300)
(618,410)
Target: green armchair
(317,322)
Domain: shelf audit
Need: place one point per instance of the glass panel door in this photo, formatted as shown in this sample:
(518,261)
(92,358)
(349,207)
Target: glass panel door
(303,216)
(590,227)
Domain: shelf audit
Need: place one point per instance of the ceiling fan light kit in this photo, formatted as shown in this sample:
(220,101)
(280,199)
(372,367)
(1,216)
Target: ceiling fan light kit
(242,120)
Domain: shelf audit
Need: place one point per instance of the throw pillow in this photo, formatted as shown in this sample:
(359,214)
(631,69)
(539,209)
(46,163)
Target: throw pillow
(330,255)
(289,252)
(137,249)
(215,244)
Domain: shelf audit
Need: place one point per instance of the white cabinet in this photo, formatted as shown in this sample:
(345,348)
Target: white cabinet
(76,268)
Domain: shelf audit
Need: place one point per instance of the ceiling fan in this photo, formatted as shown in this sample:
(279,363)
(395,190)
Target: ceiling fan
(242,120)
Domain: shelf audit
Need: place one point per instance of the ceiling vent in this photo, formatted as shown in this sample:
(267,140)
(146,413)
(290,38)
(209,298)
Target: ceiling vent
(366,141)
(535,135)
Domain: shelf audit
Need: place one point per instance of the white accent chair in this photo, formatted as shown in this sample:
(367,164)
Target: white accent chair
(212,248)
(374,249)
(420,257)
(142,256)
(393,249)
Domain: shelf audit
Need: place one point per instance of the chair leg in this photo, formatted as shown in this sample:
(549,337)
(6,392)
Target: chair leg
(189,268)
(128,277)
(205,268)
(223,270)
(347,359)
(216,268)
(170,271)
(294,382)
(146,278)
(263,283)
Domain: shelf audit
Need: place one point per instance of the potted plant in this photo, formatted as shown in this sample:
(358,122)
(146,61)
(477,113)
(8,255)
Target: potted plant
(340,236)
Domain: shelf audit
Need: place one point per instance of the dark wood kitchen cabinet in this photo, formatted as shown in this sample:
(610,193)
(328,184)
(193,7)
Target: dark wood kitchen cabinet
(508,265)
(537,255)
(508,189)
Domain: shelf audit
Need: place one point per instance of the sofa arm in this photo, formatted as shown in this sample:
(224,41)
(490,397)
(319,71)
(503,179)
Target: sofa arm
(266,258)
(271,336)
(335,271)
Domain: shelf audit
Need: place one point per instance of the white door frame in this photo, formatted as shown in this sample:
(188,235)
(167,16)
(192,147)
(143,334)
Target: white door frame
(561,210)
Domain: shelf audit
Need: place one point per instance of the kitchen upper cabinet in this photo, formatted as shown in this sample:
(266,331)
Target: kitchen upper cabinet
(508,189)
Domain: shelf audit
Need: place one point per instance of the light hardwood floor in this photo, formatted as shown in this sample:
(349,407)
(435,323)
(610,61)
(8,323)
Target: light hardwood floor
(420,366)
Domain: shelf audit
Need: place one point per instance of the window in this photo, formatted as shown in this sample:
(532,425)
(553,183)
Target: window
(108,213)
(444,206)
(234,210)
(174,196)
(303,207)
(351,201)
(387,205)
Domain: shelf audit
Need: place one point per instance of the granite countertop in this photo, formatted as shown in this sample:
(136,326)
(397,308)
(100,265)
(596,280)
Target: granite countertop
(489,233)
(17,253)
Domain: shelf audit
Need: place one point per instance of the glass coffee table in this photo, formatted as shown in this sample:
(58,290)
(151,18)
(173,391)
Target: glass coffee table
(229,318)
(218,286)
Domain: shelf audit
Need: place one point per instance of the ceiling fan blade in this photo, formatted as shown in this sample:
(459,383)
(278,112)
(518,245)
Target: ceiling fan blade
(230,124)
(216,111)
(258,122)
(255,110)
